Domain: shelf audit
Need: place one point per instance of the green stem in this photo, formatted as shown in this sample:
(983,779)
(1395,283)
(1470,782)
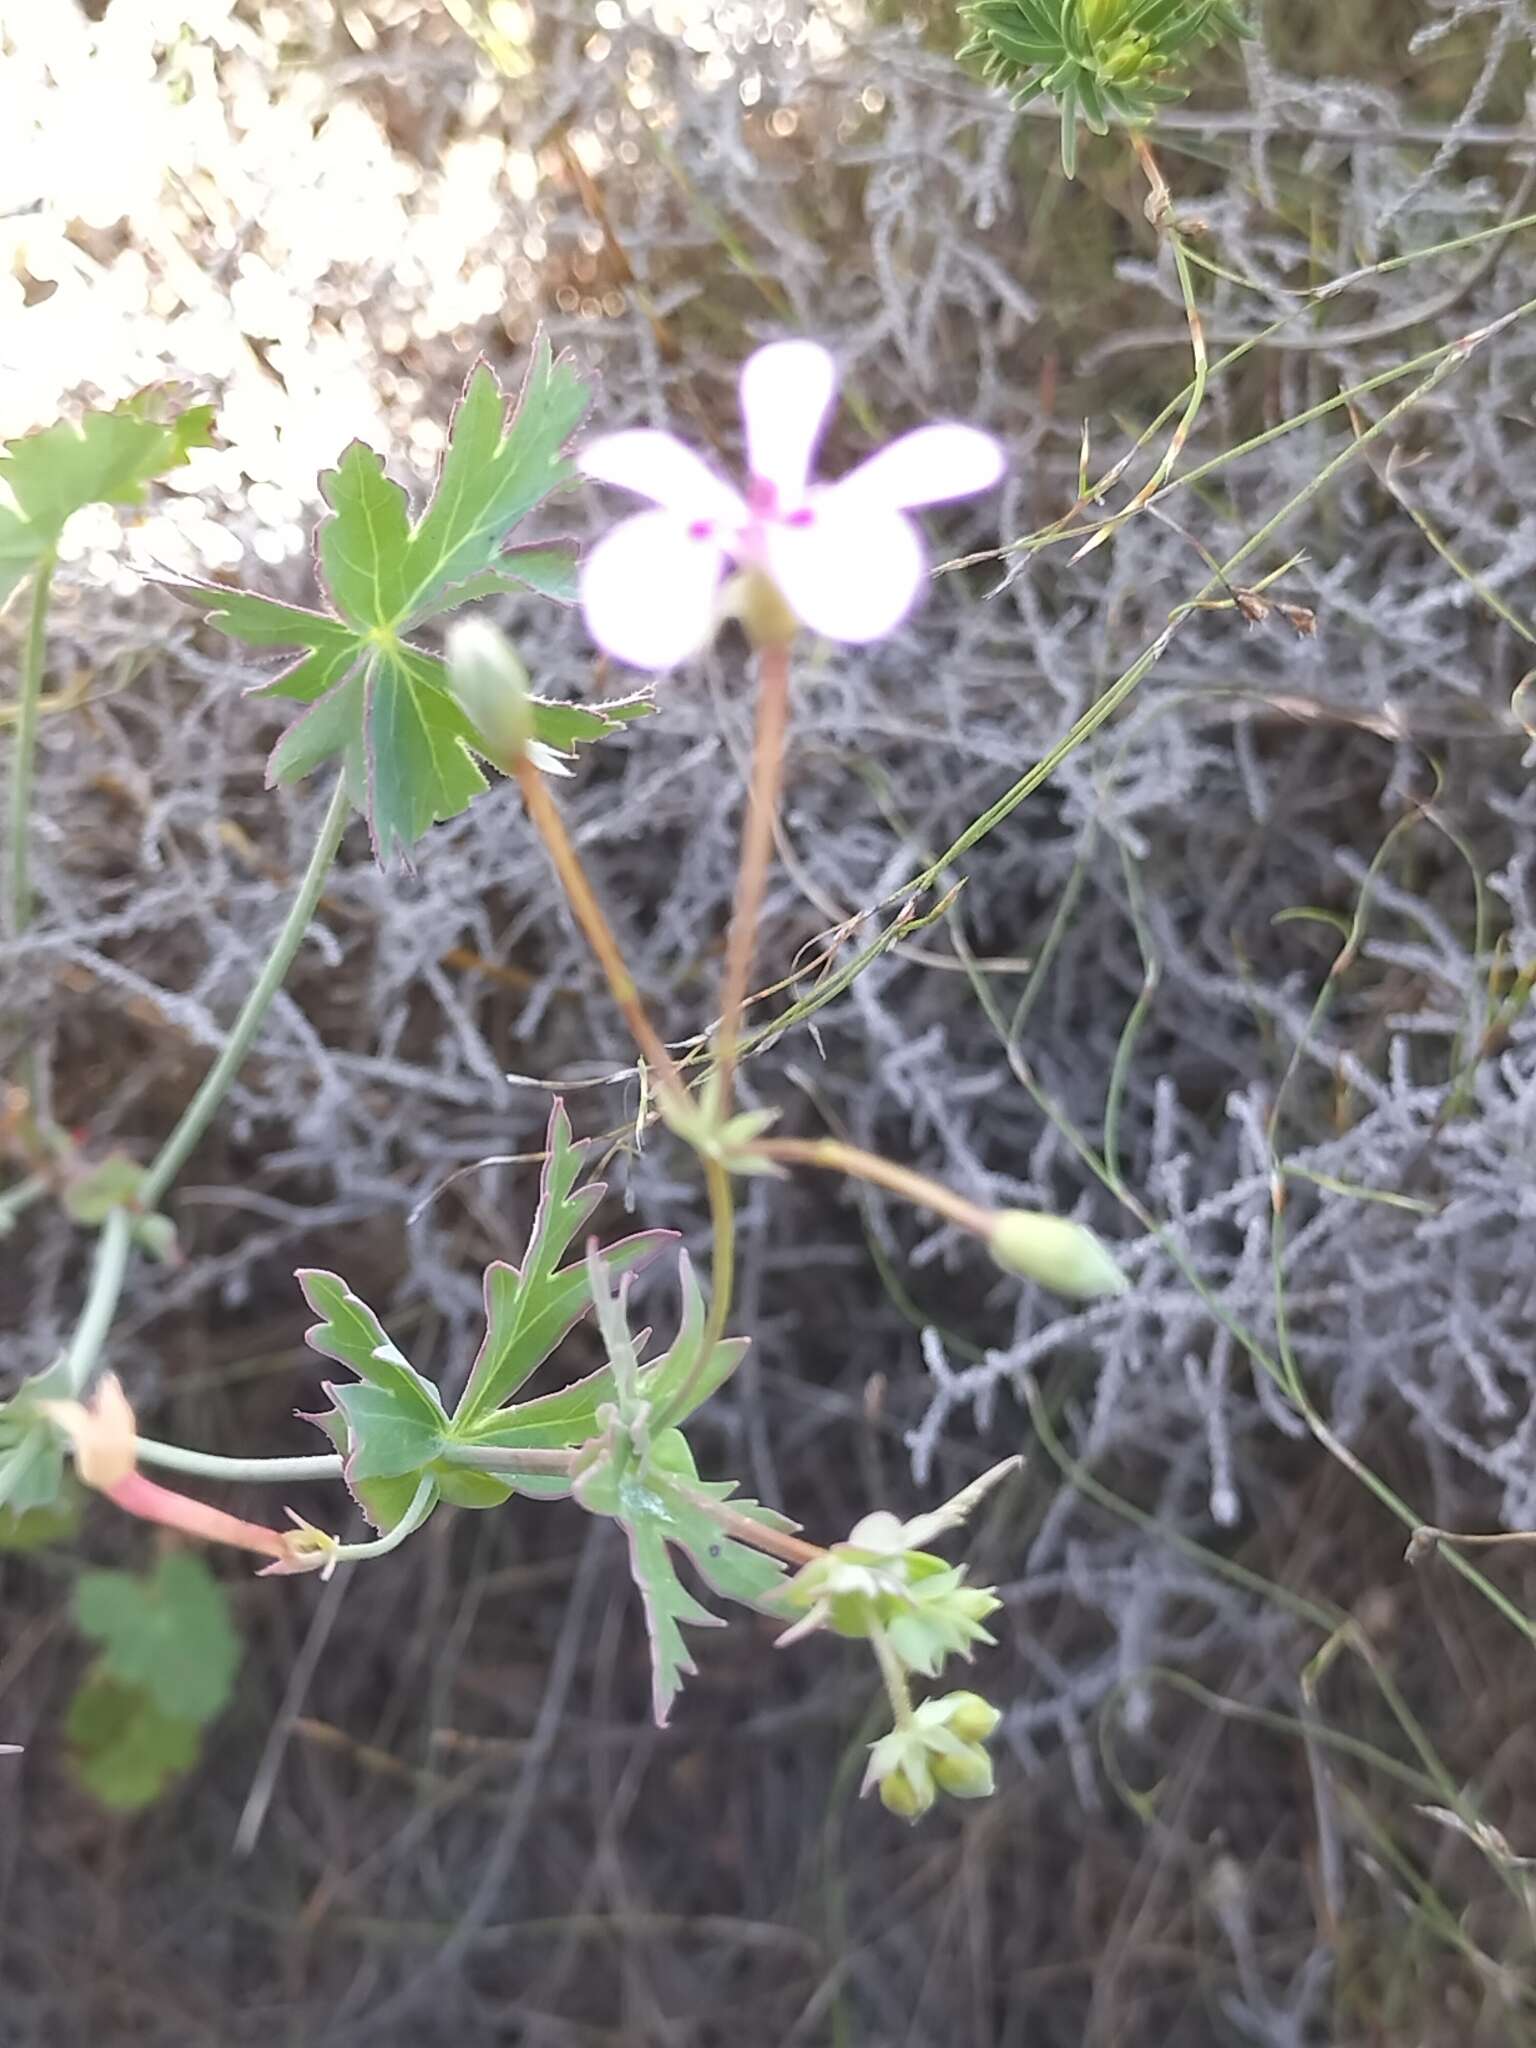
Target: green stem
(1220,1313)
(422,1504)
(722,1265)
(511,1459)
(23,767)
(20,1197)
(209,1465)
(107,1270)
(892,1675)
(1125,685)
(199,1112)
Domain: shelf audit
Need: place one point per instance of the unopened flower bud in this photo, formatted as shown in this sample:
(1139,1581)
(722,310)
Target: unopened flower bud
(490,686)
(964,1773)
(969,1716)
(1059,1254)
(904,1795)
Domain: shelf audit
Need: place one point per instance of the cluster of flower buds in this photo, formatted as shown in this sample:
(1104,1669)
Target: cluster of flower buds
(879,1584)
(940,1749)
(917,1611)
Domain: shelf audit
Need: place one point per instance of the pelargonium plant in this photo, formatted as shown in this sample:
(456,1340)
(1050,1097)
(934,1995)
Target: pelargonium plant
(407,735)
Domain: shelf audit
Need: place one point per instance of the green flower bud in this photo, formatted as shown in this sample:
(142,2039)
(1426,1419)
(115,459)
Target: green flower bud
(157,1236)
(1103,18)
(1064,1256)
(908,1798)
(964,1773)
(969,1716)
(490,686)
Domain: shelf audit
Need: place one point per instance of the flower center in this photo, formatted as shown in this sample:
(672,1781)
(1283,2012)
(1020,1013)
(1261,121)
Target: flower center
(764,505)
(701,529)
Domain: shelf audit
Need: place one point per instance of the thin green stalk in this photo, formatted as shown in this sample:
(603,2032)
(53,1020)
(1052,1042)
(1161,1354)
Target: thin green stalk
(1061,528)
(892,1675)
(107,1270)
(510,1459)
(422,1503)
(24,761)
(210,1465)
(1160,213)
(18,1198)
(722,1265)
(23,767)
(1151,974)
(1105,707)
(1220,1312)
(1289,1366)
(1083,1481)
(199,1112)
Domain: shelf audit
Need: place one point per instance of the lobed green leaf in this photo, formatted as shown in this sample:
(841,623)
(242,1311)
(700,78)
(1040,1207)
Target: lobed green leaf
(109,458)
(168,1634)
(352,1334)
(661,1503)
(125,1750)
(378,704)
(530,1309)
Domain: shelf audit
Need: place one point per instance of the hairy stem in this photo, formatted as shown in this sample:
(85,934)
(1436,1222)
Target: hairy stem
(756,851)
(893,1676)
(210,1465)
(834,1157)
(792,1550)
(107,1270)
(422,1504)
(510,1459)
(722,1268)
(198,1114)
(23,766)
(745,1528)
(599,933)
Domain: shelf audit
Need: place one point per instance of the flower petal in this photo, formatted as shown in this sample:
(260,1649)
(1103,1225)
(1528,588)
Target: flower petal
(648,590)
(927,466)
(660,467)
(851,571)
(786,389)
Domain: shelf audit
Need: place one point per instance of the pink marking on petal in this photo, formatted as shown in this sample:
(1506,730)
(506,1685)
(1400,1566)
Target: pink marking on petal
(658,466)
(927,467)
(786,390)
(648,590)
(851,572)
